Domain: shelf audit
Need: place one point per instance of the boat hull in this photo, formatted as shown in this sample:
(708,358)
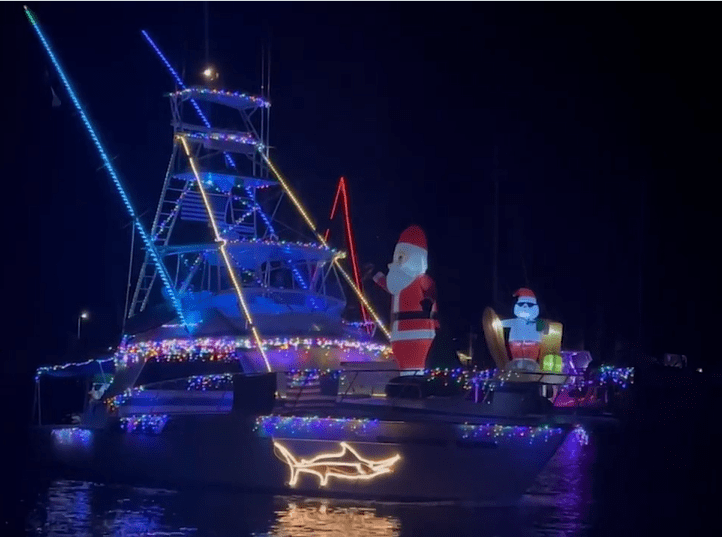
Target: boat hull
(424,462)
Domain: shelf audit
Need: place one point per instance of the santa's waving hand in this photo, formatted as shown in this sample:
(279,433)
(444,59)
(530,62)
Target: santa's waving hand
(413,313)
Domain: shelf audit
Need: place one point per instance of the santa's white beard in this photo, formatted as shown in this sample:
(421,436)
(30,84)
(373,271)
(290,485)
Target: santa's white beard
(398,279)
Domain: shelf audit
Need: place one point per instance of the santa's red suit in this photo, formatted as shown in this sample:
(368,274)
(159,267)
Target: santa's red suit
(413,313)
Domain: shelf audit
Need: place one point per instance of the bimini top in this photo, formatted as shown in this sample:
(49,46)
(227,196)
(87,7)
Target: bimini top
(232,99)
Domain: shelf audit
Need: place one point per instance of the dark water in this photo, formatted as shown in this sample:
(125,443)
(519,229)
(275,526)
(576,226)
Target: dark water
(561,503)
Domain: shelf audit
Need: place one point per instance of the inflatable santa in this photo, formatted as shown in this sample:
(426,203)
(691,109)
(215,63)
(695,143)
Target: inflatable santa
(526,330)
(413,313)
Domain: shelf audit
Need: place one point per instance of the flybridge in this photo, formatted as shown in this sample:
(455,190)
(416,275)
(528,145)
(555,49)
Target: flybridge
(248,105)
(228,202)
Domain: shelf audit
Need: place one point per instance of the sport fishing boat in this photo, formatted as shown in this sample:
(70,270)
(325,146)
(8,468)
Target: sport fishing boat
(247,375)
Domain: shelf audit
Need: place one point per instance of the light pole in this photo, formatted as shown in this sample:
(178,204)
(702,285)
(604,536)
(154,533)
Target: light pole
(83,316)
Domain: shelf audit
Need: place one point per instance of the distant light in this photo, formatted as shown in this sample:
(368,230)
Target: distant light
(699,370)
(210,73)
(84,315)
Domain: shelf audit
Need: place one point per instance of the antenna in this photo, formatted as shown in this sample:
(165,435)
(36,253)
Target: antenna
(263,94)
(268,72)
(495,253)
(205,9)
(267,96)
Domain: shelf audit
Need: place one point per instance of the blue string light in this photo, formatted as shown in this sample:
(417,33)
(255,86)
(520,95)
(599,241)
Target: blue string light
(106,161)
(229,159)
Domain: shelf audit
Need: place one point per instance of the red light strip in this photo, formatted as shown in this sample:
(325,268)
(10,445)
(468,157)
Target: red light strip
(341,189)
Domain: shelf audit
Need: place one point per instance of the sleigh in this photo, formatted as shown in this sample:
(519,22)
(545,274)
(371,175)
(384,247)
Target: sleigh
(549,368)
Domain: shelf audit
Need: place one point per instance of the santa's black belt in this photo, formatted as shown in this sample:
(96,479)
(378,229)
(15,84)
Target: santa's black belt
(412,315)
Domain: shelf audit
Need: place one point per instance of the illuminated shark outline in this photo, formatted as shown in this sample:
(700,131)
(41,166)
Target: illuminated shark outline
(330,464)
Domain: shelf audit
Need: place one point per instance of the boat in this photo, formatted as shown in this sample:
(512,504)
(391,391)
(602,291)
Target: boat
(246,374)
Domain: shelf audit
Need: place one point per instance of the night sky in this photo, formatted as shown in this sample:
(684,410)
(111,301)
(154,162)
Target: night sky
(605,118)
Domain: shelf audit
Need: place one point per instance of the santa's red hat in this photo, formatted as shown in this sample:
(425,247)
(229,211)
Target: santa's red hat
(525,293)
(414,236)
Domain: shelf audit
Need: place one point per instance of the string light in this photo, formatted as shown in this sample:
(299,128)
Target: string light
(358,324)
(49,369)
(244,138)
(229,267)
(188,93)
(246,215)
(313,426)
(145,423)
(206,383)
(227,349)
(70,436)
(499,432)
(305,375)
(165,277)
(461,377)
(325,465)
(284,244)
(621,376)
(310,427)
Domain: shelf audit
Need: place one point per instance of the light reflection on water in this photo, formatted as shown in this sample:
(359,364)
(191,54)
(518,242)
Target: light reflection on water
(322,517)
(558,505)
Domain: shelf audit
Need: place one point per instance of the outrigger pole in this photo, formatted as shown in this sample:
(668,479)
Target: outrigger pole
(341,191)
(109,166)
(222,247)
(261,149)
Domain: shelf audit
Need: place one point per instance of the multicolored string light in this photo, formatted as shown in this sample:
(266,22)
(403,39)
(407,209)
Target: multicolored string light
(149,244)
(497,432)
(314,426)
(48,369)
(239,138)
(270,242)
(226,349)
(72,436)
(620,376)
(206,383)
(190,92)
(144,423)
(463,378)
(297,378)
